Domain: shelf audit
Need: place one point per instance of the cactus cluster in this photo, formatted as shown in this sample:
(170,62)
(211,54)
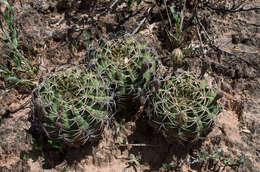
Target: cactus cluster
(185,107)
(123,76)
(129,65)
(73,105)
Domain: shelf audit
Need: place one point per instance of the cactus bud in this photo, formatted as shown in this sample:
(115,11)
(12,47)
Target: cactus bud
(58,124)
(177,56)
(59,112)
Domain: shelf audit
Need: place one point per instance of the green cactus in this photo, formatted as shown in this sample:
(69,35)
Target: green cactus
(73,105)
(129,65)
(185,107)
(177,56)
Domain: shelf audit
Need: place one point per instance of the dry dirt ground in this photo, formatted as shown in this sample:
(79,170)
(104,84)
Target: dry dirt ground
(60,32)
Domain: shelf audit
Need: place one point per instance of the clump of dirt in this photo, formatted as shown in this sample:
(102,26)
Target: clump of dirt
(14,140)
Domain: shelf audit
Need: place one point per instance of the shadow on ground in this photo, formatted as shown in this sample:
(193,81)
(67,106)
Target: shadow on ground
(155,149)
(55,153)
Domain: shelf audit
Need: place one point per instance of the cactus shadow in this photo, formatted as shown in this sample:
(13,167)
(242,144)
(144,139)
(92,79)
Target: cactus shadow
(55,155)
(155,149)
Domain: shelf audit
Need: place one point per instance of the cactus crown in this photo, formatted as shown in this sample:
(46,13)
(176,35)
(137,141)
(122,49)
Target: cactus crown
(128,64)
(74,105)
(185,107)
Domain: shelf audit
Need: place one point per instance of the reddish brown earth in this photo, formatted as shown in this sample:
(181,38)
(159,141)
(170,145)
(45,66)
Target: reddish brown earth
(61,32)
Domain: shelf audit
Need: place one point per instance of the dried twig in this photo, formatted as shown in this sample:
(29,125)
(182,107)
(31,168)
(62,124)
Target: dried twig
(139,26)
(183,10)
(142,22)
(199,36)
(204,61)
(233,9)
(138,145)
(169,18)
(114,3)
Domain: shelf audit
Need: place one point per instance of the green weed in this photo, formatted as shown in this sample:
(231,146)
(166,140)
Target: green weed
(180,38)
(38,145)
(166,166)
(217,157)
(25,157)
(178,18)
(56,145)
(135,159)
(21,70)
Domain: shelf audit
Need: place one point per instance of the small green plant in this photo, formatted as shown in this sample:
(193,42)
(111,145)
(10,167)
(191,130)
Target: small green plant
(25,157)
(135,159)
(57,145)
(178,18)
(166,166)
(129,65)
(185,107)
(216,157)
(21,70)
(181,38)
(116,131)
(81,41)
(38,144)
(73,105)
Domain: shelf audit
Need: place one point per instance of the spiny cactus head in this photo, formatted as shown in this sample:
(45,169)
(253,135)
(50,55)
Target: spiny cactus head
(129,64)
(73,104)
(185,107)
(177,56)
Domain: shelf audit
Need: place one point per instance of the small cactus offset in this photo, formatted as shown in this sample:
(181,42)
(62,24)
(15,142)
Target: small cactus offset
(185,107)
(73,105)
(177,56)
(128,64)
